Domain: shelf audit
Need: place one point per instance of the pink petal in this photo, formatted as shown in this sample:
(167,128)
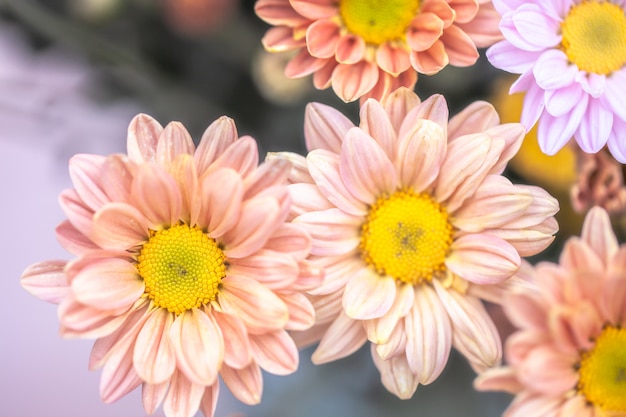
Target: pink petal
(157,195)
(275,352)
(183,398)
(350,49)
(396,344)
(174,141)
(333,232)
(392,59)
(108,284)
(434,108)
(477,117)
(278,13)
(273,270)
(301,312)
(78,214)
(483,28)
(365,168)
(79,320)
(237,350)
(154,356)
(343,337)
(459,46)
(220,210)
(120,226)
(314,9)
(379,330)
(324,127)
(152,395)
(526,310)
(86,175)
(368,295)
(430,61)
(499,379)
(118,377)
(420,154)
(595,127)
(513,135)
(209,399)
(376,123)
(218,137)
(143,136)
(242,156)
(510,58)
(614,92)
(291,239)
(322,37)
(304,64)
(271,173)
(548,371)
(324,167)
(399,104)
(429,336)
(465,10)
(424,31)
(246,384)
(199,346)
(116,177)
(46,281)
(183,170)
(482,259)
(281,39)
(259,308)
(396,375)
(553,70)
(73,240)
(351,81)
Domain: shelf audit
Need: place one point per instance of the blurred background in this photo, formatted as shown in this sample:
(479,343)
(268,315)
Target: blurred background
(72,75)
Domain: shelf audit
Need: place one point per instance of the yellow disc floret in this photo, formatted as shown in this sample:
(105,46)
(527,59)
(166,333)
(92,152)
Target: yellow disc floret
(182,268)
(378,21)
(603,371)
(594,36)
(406,236)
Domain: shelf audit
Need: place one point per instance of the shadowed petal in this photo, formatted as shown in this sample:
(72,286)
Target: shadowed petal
(343,337)
(246,384)
(183,398)
(396,375)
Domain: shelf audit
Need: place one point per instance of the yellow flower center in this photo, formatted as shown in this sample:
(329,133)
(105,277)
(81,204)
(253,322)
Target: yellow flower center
(378,21)
(603,371)
(182,268)
(406,236)
(594,36)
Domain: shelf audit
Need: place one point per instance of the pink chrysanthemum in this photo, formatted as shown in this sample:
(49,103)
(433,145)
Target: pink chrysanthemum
(568,357)
(366,48)
(185,267)
(571,55)
(413,223)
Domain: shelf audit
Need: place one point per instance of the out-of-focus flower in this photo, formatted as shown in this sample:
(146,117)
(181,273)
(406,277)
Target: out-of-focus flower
(414,223)
(185,267)
(368,49)
(272,83)
(572,59)
(568,357)
(94,10)
(197,17)
(600,183)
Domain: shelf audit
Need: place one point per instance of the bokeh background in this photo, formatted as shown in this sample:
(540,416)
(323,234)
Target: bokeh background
(72,75)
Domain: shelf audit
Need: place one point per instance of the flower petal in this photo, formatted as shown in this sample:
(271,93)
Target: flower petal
(342,338)
(368,295)
(153,356)
(275,352)
(46,281)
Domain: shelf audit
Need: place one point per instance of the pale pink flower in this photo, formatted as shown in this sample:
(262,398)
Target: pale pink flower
(413,223)
(571,55)
(368,49)
(185,268)
(568,356)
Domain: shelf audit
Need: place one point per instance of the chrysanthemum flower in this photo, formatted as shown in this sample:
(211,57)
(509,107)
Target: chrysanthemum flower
(571,55)
(185,267)
(413,223)
(365,48)
(568,357)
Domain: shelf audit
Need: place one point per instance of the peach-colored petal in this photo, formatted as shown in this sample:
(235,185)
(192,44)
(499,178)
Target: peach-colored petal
(392,59)
(350,49)
(376,123)
(513,135)
(242,156)
(396,375)
(398,105)
(314,9)
(173,141)
(529,403)
(434,108)
(310,276)
(324,167)
(278,12)
(143,136)
(324,127)
(322,78)
(199,346)
(304,64)
(465,10)
(396,344)
(246,383)
(120,226)
(424,30)
(351,81)
(273,172)
(259,308)
(472,328)
(73,240)
(459,46)
(85,172)
(153,356)
(322,38)
(237,351)
(118,377)
(365,168)
(483,28)
(578,406)
(183,398)
(498,379)
(429,336)
(79,215)
(209,399)
(157,195)
(527,310)
(275,352)
(442,9)
(482,259)
(521,343)
(368,295)
(267,267)
(46,281)
(337,274)
(573,327)
(258,218)
(220,210)
(598,233)
(218,137)
(301,312)
(152,395)
(477,117)
(548,371)
(420,154)
(430,61)
(290,239)
(343,337)
(281,39)
(379,330)
(108,284)
(116,176)
(332,231)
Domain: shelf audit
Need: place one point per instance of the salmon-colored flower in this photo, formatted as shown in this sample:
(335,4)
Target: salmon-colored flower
(413,223)
(185,267)
(568,356)
(370,48)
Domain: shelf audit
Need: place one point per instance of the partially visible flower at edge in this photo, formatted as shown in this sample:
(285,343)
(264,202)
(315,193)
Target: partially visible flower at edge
(571,56)
(568,356)
(364,50)
(414,224)
(185,267)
